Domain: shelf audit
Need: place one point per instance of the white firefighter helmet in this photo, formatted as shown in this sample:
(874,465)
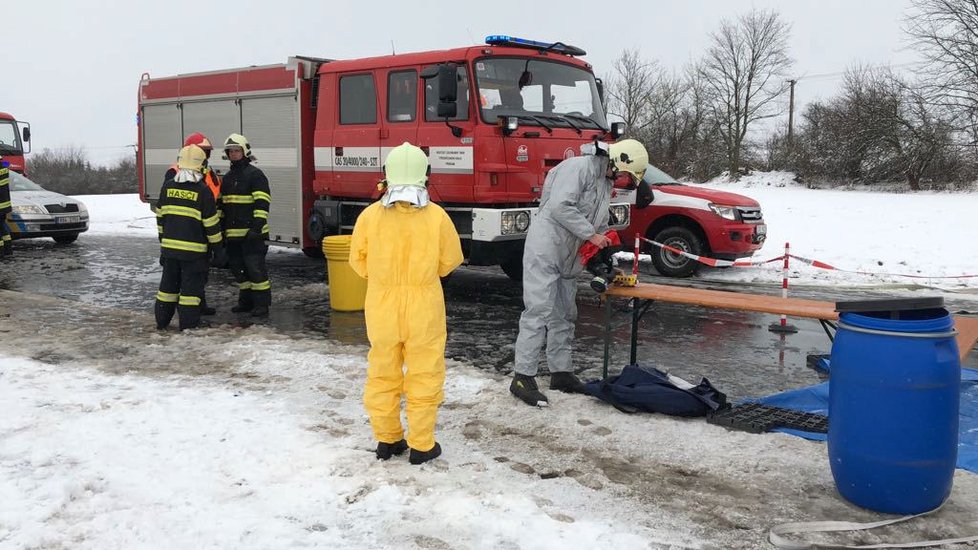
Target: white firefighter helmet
(629,155)
(238,140)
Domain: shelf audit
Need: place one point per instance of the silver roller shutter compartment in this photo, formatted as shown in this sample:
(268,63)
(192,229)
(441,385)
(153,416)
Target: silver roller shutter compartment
(162,137)
(216,119)
(271,125)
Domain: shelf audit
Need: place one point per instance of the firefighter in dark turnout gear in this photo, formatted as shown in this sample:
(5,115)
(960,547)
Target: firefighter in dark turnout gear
(5,208)
(213,181)
(190,232)
(245,200)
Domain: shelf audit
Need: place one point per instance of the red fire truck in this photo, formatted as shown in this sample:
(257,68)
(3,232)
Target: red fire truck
(493,120)
(14,136)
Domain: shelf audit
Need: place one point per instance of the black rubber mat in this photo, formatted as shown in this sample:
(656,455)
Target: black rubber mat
(758,418)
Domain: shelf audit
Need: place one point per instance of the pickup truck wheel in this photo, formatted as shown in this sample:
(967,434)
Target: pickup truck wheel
(513,268)
(670,264)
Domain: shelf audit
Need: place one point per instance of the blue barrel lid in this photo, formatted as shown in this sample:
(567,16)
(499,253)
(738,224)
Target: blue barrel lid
(892,305)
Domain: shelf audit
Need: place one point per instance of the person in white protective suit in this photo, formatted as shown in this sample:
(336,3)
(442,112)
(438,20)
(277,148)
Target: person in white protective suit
(573,209)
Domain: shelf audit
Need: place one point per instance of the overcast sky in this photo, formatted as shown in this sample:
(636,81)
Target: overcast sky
(71,68)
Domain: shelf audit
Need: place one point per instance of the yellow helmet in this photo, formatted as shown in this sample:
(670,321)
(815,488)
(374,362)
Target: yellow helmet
(629,155)
(406,165)
(238,140)
(191,157)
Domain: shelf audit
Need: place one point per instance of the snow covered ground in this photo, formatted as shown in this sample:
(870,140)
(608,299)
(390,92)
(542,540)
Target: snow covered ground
(113,435)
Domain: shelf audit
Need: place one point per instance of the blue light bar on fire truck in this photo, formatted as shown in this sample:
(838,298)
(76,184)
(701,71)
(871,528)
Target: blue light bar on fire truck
(512,41)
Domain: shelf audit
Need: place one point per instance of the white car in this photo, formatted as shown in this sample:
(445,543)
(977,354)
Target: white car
(38,212)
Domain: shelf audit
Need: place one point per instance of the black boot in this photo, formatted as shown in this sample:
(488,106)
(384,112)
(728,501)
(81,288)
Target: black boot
(245,302)
(525,387)
(164,314)
(420,457)
(206,309)
(566,382)
(260,311)
(386,450)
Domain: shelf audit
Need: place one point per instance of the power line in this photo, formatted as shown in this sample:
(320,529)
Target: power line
(841,73)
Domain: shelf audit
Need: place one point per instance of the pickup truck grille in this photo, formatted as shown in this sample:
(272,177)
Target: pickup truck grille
(750,214)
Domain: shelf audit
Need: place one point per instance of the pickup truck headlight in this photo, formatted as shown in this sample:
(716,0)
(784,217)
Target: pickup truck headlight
(725,212)
(619,214)
(28,209)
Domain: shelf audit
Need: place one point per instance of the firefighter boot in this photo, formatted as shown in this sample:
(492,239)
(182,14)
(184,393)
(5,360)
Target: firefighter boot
(386,450)
(245,302)
(206,309)
(525,387)
(566,382)
(164,314)
(262,299)
(420,457)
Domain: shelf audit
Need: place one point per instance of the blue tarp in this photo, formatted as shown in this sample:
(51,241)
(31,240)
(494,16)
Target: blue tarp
(815,399)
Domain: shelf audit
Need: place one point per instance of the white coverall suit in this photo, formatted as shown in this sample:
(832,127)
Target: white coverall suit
(403,251)
(573,207)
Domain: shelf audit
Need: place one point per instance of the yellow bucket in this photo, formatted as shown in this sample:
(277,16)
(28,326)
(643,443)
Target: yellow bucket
(347,290)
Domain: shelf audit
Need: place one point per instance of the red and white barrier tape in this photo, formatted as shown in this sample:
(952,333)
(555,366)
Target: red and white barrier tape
(713,262)
(823,265)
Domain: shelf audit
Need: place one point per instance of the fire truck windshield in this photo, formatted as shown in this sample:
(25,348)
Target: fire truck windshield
(545,93)
(10,139)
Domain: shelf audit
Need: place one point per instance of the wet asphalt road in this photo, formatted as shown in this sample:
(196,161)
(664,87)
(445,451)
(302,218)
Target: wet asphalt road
(733,349)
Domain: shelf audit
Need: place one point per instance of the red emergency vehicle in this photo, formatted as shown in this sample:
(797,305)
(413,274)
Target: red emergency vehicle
(15,142)
(701,221)
(493,120)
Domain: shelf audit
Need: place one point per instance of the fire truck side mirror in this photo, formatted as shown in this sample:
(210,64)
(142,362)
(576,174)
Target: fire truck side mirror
(447,110)
(448,83)
(617,129)
(27,133)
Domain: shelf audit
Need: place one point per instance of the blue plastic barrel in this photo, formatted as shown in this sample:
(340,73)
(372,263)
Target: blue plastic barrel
(893,408)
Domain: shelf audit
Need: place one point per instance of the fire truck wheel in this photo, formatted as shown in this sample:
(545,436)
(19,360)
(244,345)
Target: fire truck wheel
(313,252)
(670,264)
(513,268)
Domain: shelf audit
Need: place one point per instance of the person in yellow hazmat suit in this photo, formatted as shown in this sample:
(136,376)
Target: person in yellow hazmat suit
(403,244)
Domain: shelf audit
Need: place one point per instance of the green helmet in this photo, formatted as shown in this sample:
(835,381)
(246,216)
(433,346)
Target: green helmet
(238,140)
(406,165)
(629,155)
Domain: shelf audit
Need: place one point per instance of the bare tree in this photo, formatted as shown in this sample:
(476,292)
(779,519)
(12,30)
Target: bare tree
(630,90)
(745,68)
(945,32)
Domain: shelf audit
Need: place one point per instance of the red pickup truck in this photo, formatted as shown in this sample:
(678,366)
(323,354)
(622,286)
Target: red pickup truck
(704,222)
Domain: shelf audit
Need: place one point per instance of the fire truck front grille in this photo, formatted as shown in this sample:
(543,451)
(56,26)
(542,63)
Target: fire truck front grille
(750,214)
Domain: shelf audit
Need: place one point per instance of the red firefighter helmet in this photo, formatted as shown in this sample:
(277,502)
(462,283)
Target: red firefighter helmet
(198,139)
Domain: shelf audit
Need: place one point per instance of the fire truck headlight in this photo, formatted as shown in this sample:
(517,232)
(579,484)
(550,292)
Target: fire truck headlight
(620,214)
(507,223)
(513,222)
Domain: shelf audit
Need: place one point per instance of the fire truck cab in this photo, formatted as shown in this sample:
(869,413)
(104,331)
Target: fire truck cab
(15,141)
(493,120)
